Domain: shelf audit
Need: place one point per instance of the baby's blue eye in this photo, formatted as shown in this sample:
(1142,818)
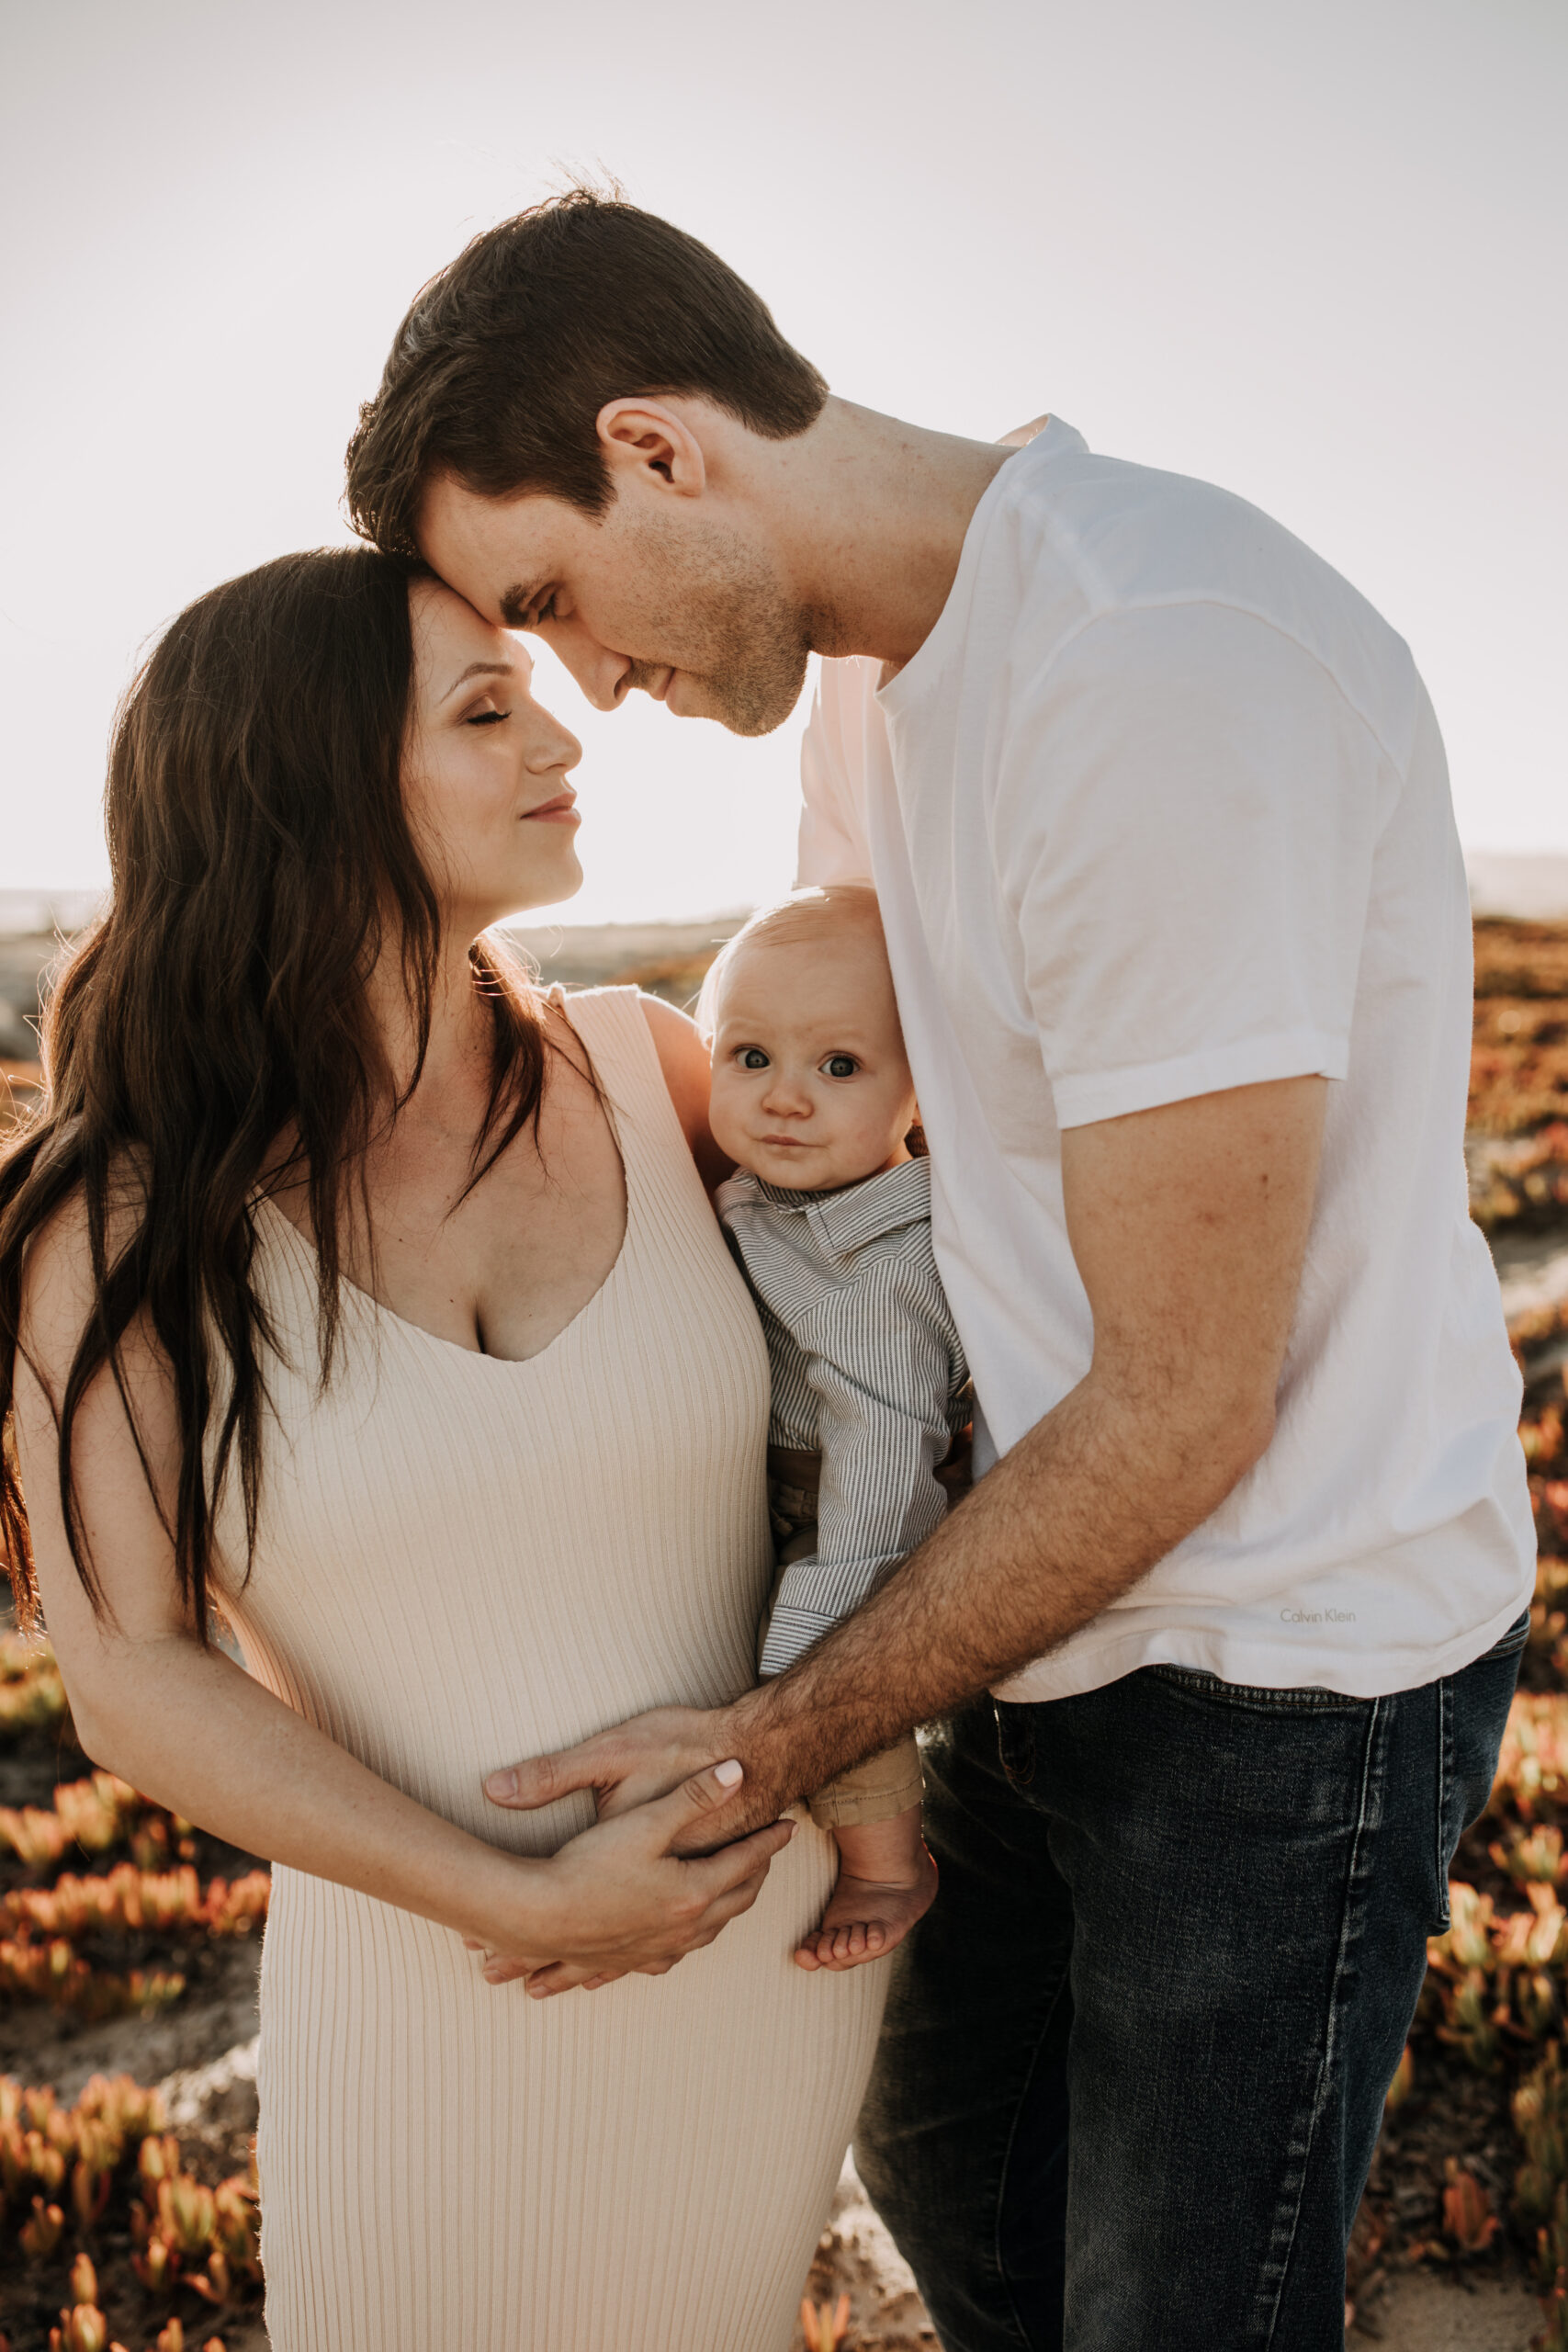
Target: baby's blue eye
(841,1066)
(752,1058)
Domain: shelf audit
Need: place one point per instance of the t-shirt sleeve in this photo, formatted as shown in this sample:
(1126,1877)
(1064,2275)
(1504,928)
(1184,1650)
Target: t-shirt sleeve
(1187,812)
(832,845)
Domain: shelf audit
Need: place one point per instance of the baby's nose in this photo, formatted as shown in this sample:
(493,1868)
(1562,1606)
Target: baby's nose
(786,1093)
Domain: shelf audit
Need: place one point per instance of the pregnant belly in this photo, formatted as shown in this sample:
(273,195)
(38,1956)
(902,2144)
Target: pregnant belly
(435,1710)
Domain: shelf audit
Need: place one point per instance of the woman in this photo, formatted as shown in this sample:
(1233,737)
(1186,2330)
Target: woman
(351,1285)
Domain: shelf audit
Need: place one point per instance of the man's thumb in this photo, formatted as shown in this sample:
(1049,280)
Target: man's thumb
(715,1786)
(537,1780)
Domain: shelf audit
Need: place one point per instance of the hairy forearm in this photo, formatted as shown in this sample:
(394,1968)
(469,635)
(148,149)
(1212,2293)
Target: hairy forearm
(192,1729)
(1069,1521)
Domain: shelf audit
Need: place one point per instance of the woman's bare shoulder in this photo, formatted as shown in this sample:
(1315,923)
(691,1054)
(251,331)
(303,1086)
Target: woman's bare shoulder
(683,1055)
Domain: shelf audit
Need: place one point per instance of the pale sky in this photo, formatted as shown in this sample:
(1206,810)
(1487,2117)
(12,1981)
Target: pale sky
(1312,252)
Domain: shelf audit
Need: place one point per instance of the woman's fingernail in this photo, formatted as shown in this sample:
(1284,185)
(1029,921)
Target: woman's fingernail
(501,1785)
(729,1775)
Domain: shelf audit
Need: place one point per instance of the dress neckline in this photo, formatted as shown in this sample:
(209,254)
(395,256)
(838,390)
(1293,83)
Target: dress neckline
(378,1308)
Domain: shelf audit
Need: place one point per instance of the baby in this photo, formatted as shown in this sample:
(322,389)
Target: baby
(830,1217)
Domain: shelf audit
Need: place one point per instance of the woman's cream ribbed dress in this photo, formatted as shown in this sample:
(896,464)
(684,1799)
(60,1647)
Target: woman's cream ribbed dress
(463,1560)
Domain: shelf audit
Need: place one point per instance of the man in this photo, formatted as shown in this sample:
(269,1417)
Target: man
(1157,813)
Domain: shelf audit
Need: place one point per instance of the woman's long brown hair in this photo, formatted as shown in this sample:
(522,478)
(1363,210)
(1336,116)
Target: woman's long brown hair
(260,861)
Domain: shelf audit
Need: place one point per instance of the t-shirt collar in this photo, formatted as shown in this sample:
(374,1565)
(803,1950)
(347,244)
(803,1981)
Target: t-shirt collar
(924,664)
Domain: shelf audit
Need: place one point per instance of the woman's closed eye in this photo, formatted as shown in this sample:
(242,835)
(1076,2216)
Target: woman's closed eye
(486,718)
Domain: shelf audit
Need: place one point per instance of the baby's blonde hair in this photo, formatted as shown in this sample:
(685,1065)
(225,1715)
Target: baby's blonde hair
(801,915)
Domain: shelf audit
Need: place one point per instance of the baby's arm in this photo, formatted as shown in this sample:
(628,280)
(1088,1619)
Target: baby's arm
(883,1419)
(881,1377)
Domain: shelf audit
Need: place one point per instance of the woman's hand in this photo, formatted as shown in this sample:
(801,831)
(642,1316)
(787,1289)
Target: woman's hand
(619,1900)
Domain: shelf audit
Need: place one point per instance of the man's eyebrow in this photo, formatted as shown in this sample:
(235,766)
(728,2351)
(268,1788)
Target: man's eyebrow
(515,603)
(481,670)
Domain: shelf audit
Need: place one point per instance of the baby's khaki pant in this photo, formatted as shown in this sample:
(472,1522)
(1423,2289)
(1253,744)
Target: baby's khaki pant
(886,1785)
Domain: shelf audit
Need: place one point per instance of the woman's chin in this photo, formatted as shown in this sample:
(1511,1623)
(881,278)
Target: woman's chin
(537,891)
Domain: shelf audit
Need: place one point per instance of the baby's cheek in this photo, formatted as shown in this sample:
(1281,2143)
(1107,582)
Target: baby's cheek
(723,1121)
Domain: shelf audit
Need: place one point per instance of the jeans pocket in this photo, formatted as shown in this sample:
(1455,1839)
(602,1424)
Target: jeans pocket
(1015,1742)
(1512,1643)
(1473,1711)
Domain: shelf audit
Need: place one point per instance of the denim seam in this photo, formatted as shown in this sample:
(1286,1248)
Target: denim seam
(1303,1699)
(1052,2006)
(1444,1791)
(1368,1810)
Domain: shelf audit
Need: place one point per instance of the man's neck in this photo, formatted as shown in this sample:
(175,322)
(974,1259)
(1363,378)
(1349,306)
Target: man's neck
(874,519)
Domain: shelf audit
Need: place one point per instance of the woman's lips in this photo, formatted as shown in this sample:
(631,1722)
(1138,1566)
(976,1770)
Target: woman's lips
(561,810)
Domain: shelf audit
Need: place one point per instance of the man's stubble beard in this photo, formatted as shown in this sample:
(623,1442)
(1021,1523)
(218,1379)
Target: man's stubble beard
(744,645)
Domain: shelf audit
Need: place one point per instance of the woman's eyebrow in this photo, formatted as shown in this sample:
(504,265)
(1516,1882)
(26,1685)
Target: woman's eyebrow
(481,670)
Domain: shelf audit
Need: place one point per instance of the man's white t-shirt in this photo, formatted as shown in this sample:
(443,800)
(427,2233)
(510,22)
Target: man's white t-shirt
(1160,808)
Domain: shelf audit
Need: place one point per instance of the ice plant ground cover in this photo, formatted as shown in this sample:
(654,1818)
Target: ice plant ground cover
(120,1924)
(113,1913)
(1518,1076)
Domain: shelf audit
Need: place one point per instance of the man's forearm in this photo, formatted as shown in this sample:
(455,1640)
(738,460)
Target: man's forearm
(1189,1225)
(1082,1508)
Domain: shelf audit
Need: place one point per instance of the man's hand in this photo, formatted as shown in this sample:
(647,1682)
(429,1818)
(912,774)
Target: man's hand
(623,1902)
(629,1766)
(1189,1225)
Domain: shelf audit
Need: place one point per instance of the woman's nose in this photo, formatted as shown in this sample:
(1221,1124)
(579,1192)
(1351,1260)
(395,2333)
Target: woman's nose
(551,745)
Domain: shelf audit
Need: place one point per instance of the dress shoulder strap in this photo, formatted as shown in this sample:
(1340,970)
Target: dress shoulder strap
(612,1026)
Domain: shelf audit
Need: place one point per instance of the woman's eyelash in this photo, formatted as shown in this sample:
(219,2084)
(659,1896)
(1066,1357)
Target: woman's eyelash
(487,718)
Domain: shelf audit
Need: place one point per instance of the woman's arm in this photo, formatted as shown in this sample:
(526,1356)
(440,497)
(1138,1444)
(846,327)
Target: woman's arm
(688,1073)
(190,1727)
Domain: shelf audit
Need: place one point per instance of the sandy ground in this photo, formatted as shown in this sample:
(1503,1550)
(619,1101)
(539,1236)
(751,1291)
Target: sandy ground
(1427,2313)
(40,2045)
(857,2257)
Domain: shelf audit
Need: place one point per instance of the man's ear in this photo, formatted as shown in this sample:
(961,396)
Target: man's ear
(644,438)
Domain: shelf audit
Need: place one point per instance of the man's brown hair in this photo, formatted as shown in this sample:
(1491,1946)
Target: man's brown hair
(499,371)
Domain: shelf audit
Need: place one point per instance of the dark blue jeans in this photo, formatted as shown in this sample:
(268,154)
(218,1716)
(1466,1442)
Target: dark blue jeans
(1136,2055)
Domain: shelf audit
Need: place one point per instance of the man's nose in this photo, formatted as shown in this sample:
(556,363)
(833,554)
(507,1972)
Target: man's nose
(601,675)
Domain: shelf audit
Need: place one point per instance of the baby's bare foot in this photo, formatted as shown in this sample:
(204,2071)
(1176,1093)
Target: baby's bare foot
(867,1917)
